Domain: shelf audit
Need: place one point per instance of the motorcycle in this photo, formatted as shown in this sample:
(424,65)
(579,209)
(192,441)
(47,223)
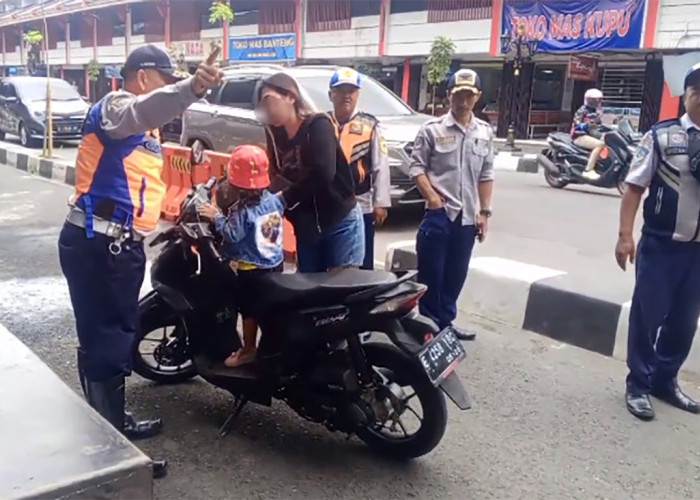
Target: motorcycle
(310,354)
(563,162)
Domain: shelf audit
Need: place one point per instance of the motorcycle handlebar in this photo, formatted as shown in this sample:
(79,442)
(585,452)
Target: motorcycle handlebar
(210,184)
(213,250)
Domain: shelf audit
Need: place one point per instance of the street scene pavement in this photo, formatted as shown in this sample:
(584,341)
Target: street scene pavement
(548,419)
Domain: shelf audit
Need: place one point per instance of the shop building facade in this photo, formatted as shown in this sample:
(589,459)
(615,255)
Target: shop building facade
(390,40)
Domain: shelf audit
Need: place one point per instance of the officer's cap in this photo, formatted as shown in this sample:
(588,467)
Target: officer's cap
(464,79)
(692,77)
(151,57)
(345,76)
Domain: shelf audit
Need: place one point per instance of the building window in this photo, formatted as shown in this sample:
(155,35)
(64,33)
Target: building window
(76,27)
(276,16)
(245,12)
(442,11)
(402,6)
(323,15)
(361,8)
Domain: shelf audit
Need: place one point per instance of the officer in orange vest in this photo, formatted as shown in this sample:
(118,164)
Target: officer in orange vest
(117,201)
(364,147)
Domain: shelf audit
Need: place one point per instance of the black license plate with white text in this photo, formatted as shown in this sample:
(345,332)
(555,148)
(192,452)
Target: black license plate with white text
(441,356)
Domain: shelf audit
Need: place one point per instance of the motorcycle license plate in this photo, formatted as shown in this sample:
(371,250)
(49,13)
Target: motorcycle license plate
(441,356)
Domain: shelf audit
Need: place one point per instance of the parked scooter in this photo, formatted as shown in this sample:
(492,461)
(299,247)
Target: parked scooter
(310,355)
(564,163)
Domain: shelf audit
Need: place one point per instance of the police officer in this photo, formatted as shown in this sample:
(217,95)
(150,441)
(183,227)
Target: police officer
(666,299)
(117,200)
(364,147)
(452,165)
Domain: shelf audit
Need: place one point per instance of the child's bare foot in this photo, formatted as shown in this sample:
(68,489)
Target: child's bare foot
(231,360)
(241,357)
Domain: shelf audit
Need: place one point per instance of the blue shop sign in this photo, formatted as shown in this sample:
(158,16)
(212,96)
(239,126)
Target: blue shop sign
(263,48)
(586,25)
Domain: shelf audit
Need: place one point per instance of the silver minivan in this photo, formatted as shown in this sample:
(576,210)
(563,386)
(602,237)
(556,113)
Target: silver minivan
(226,118)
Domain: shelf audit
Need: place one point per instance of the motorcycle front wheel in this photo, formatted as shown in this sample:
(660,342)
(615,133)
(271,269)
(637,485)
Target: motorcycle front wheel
(161,351)
(410,385)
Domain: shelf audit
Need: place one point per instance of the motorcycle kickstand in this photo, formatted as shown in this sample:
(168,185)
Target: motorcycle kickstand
(238,405)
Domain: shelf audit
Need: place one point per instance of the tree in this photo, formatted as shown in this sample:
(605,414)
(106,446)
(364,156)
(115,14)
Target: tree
(220,12)
(441,53)
(32,45)
(93,72)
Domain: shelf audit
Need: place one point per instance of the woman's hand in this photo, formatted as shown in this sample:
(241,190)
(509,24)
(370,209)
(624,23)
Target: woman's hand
(208,210)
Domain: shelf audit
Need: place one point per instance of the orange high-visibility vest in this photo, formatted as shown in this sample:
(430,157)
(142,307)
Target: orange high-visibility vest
(118,180)
(355,139)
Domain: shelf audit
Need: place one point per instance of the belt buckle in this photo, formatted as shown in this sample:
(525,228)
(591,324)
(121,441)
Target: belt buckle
(114,230)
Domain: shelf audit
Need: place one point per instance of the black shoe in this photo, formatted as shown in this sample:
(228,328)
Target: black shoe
(141,429)
(465,335)
(639,405)
(673,395)
(160,468)
(81,371)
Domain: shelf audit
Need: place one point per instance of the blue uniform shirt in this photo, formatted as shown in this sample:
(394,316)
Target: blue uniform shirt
(253,234)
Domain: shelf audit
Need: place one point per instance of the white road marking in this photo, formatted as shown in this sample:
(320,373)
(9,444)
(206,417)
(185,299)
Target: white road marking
(12,195)
(513,269)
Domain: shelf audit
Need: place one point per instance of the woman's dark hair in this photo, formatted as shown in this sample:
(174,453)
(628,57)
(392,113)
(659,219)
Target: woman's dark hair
(285,85)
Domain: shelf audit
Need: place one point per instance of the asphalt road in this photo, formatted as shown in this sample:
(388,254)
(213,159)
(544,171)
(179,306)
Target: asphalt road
(548,420)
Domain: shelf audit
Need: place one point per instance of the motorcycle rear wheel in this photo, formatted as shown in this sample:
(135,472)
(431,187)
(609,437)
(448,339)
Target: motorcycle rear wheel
(404,371)
(172,362)
(555,181)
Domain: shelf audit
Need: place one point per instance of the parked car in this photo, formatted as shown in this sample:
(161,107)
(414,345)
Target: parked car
(227,118)
(23,109)
(172,131)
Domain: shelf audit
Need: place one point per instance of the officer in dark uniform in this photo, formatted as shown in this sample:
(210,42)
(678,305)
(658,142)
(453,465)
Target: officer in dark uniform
(666,300)
(117,201)
(452,166)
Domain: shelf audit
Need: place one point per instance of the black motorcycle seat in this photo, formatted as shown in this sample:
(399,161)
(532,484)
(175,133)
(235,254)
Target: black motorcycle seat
(562,137)
(316,288)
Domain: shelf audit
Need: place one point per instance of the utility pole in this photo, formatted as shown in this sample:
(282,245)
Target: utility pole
(48,129)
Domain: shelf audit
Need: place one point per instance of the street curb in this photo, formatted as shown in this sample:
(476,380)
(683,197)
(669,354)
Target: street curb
(55,169)
(537,299)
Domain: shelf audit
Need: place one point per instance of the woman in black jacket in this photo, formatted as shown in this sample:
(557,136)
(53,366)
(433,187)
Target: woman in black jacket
(316,182)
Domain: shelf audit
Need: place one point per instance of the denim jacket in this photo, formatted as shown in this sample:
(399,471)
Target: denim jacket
(253,234)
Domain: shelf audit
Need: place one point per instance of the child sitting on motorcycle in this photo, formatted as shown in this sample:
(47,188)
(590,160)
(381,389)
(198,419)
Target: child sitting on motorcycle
(585,130)
(252,234)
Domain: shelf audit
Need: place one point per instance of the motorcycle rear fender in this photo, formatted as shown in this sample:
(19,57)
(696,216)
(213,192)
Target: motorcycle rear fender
(172,297)
(410,335)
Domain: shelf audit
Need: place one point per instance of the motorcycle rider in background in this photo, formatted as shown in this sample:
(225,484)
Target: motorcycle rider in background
(585,129)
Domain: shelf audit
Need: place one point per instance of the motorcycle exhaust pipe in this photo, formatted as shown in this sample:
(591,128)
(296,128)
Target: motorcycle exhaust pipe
(548,165)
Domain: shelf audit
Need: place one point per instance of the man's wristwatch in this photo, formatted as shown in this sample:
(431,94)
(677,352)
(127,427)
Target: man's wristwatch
(486,212)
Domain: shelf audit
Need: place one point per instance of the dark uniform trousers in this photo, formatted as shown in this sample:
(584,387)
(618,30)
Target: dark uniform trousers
(664,313)
(369,242)
(104,290)
(444,249)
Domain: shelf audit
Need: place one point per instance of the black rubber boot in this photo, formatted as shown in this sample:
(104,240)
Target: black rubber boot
(81,371)
(107,397)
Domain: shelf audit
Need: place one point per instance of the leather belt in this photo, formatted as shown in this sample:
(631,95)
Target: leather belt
(108,228)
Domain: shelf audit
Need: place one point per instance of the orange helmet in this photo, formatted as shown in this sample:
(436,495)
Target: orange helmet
(248,168)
